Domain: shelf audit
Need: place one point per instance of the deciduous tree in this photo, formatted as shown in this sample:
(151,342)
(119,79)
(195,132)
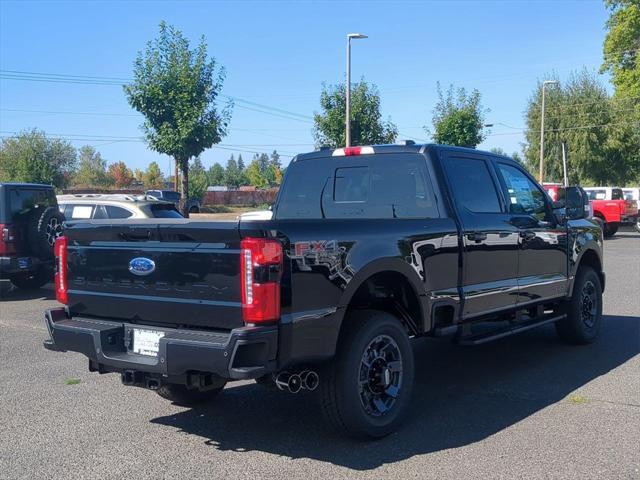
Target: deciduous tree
(367,126)
(32,157)
(120,176)
(153,177)
(92,169)
(458,118)
(176,89)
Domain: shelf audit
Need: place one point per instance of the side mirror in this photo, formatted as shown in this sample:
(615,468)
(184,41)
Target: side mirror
(576,203)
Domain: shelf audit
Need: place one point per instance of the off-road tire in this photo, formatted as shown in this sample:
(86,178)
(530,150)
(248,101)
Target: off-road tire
(584,310)
(181,395)
(341,391)
(32,281)
(43,229)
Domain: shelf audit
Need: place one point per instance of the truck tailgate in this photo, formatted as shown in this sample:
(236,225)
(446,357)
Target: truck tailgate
(171,272)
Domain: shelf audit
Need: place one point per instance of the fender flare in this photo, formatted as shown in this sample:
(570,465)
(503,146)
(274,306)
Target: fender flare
(395,265)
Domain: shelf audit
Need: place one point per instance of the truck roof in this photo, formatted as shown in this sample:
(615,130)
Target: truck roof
(407,147)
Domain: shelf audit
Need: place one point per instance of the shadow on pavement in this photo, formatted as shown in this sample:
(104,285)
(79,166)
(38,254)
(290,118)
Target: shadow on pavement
(462,395)
(10,293)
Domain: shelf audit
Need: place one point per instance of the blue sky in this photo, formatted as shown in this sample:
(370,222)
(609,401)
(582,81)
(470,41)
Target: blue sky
(278,53)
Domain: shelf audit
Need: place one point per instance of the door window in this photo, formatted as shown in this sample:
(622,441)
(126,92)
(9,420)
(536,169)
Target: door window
(78,212)
(523,195)
(473,187)
(117,212)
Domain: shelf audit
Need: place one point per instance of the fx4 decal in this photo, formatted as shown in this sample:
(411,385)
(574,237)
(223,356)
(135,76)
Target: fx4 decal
(325,253)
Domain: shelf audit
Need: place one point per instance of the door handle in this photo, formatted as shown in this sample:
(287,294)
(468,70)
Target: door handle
(477,236)
(527,235)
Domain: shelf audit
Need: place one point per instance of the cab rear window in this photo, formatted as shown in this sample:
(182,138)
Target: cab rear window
(366,186)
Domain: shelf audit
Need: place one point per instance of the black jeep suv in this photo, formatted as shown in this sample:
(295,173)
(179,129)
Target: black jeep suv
(29,224)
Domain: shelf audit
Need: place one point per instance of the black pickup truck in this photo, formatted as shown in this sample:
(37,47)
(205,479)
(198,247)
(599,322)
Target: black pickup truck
(367,247)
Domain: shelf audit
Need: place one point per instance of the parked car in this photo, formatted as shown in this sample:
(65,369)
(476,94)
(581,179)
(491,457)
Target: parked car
(367,248)
(633,194)
(610,206)
(29,224)
(113,206)
(193,204)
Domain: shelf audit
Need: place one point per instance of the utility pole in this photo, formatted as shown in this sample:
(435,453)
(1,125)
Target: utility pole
(544,84)
(564,163)
(347,122)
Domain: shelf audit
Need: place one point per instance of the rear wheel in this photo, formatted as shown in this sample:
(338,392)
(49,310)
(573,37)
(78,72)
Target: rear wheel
(637,225)
(584,309)
(182,395)
(366,389)
(610,229)
(31,281)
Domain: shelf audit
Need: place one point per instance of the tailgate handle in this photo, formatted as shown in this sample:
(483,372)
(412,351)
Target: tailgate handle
(136,237)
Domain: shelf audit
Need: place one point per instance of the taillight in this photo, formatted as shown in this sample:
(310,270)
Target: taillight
(261,268)
(60,251)
(7,239)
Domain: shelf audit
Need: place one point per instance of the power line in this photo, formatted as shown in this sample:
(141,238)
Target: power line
(109,139)
(117,81)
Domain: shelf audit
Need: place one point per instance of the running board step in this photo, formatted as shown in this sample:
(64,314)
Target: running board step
(485,337)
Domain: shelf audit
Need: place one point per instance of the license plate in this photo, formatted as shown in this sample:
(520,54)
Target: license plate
(146,342)
(24,262)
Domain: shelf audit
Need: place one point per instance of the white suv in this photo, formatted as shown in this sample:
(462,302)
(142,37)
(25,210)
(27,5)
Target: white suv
(112,206)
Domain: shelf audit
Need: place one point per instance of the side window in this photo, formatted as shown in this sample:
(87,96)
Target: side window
(351,184)
(473,187)
(524,196)
(117,212)
(100,213)
(78,212)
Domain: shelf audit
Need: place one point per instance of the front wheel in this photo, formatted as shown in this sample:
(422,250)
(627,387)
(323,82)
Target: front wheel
(182,395)
(584,310)
(366,389)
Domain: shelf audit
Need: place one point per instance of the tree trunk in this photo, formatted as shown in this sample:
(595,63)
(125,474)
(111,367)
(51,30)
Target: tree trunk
(184,191)
(176,175)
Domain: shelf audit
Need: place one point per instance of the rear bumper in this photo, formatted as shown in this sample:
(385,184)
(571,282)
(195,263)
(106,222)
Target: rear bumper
(16,264)
(242,353)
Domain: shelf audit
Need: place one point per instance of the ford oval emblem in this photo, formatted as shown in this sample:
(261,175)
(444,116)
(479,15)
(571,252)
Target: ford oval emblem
(142,266)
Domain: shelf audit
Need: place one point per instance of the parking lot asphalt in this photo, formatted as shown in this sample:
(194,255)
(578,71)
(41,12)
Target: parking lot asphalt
(522,407)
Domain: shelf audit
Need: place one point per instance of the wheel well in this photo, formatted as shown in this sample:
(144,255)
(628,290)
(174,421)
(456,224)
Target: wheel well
(590,259)
(391,292)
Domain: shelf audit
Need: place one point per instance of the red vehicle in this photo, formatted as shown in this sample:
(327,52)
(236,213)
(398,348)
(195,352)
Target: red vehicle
(610,206)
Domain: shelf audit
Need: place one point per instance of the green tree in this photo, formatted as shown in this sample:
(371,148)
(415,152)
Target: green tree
(92,169)
(241,164)
(232,174)
(216,175)
(119,175)
(458,118)
(622,48)
(153,177)
(622,60)
(32,157)
(367,126)
(255,175)
(199,179)
(176,88)
(579,112)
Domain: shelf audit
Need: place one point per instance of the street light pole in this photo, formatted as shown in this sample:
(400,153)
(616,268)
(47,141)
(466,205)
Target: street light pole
(544,84)
(348,89)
